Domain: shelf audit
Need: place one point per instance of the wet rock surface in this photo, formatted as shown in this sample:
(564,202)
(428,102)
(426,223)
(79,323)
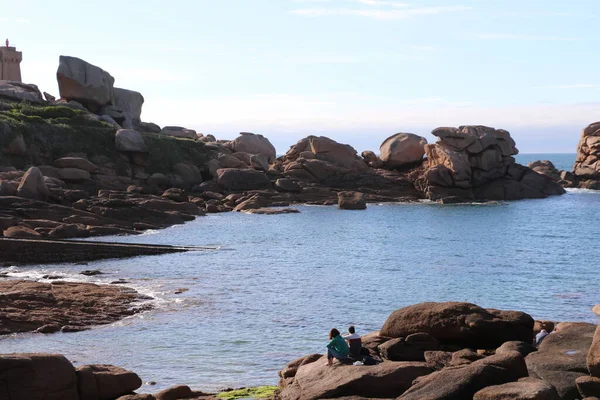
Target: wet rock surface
(27,306)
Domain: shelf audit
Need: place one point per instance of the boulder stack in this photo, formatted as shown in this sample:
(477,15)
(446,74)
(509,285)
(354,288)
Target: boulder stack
(587,163)
(476,162)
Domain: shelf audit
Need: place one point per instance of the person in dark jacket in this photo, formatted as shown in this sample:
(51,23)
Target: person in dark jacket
(354,342)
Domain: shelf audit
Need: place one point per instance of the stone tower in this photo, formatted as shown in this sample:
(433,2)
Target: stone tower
(10,63)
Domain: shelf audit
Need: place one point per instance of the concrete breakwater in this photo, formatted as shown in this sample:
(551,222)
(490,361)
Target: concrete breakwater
(30,251)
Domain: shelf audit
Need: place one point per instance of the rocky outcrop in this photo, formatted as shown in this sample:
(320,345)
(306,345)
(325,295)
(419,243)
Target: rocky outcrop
(461,383)
(523,389)
(179,132)
(86,83)
(105,382)
(316,380)
(129,102)
(587,163)
(253,144)
(593,357)
(27,306)
(402,149)
(475,162)
(351,201)
(20,91)
(232,179)
(38,377)
(128,140)
(561,357)
(464,324)
(545,167)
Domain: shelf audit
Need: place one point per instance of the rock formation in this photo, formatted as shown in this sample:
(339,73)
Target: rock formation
(482,371)
(253,144)
(83,82)
(587,163)
(475,162)
(20,91)
(402,149)
(462,324)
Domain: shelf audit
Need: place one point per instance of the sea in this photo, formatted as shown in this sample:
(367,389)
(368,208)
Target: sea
(270,288)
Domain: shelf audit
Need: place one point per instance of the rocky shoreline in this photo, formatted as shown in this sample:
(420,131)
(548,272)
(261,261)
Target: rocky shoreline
(451,351)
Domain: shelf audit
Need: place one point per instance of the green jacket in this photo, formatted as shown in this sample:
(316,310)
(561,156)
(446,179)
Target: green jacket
(339,344)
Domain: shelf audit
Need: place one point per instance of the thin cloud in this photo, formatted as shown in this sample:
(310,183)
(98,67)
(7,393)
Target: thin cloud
(512,36)
(574,86)
(381,14)
(379,3)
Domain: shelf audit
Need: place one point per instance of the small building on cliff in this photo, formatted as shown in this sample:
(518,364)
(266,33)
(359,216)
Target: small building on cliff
(10,63)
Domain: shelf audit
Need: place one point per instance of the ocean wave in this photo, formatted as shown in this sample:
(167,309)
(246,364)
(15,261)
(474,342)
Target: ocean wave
(579,190)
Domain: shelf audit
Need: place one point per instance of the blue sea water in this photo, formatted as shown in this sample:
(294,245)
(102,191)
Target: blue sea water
(275,285)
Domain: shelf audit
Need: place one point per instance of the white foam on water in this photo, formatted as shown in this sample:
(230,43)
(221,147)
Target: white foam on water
(579,190)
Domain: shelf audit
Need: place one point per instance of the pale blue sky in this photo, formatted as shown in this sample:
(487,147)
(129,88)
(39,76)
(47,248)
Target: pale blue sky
(354,70)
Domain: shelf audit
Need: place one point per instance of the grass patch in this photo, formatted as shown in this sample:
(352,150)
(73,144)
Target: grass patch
(259,392)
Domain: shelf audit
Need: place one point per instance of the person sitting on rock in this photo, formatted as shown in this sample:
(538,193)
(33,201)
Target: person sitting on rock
(354,342)
(337,347)
(540,336)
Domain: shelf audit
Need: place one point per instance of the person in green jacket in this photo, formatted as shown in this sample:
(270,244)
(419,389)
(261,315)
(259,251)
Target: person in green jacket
(337,347)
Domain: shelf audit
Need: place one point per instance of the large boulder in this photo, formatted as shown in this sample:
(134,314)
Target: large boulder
(86,83)
(523,389)
(76,162)
(402,149)
(253,144)
(352,201)
(321,148)
(105,382)
(593,357)
(32,185)
(179,132)
(463,324)
(587,163)
(21,232)
(232,179)
(588,387)
(37,377)
(130,102)
(316,380)
(460,383)
(128,140)
(20,91)
(189,174)
(561,357)
(545,167)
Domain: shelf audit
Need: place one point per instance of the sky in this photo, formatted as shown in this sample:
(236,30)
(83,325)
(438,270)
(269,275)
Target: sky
(356,71)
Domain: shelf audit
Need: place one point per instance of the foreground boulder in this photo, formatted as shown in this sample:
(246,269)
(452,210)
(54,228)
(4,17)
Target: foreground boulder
(460,383)
(37,377)
(593,358)
(463,324)
(316,380)
(352,201)
(561,357)
(523,389)
(86,83)
(402,149)
(105,382)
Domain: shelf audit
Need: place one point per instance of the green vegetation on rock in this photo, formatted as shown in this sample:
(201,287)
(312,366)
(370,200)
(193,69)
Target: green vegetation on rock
(50,132)
(260,392)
